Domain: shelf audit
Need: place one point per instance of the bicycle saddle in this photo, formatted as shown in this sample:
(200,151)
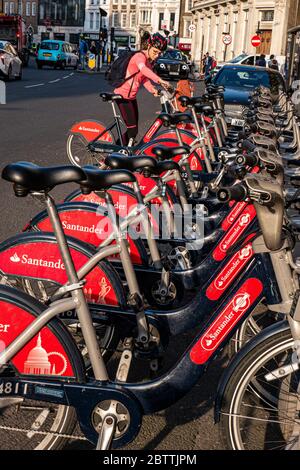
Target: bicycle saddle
(190,101)
(167,153)
(108,97)
(118,161)
(167,165)
(171,120)
(28,177)
(204,109)
(97,180)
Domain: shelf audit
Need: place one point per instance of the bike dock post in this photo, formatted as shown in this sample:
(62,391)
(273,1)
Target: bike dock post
(2,92)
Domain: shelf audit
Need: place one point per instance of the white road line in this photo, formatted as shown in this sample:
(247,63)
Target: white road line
(55,81)
(71,74)
(32,86)
(66,76)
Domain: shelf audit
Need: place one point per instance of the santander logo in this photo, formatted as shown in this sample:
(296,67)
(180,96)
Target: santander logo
(25,259)
(229,272)
(244,220)
(209,341)
(15,258)
(82,128)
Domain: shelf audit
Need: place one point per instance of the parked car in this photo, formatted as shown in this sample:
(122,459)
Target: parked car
(239,82)
(56,54)
(248,59)
(172,64)
(10,62)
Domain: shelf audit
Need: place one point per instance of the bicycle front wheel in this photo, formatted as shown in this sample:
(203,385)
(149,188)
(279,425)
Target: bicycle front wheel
(259,410)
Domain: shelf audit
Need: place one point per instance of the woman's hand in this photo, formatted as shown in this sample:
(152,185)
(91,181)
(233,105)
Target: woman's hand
(164,84)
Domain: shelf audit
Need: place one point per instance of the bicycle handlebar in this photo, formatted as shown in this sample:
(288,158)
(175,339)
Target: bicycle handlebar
(248,160)
(238,192)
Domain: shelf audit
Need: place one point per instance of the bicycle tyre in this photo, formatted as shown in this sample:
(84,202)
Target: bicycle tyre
(245,386)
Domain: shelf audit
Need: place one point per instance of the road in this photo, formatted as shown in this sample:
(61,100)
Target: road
(34,126)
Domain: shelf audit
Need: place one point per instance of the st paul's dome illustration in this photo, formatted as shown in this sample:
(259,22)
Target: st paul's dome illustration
(37,361)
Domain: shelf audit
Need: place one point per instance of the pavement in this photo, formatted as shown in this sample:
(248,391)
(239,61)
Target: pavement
(34,126)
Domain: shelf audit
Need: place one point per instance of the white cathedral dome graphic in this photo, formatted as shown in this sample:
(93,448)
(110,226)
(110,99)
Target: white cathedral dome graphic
(38,362)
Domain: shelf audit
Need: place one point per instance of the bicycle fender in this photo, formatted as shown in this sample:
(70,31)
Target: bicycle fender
(52,352)
(90,130)
(36,255)
(88,223)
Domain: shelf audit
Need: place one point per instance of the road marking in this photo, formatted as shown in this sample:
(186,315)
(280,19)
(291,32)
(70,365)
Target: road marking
(66,76)
(55,81)
(32,86)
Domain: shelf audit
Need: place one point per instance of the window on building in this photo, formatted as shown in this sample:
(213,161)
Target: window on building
(123,20)
(20,8)
(115,2)
(42,12)
(124,2)
(97,26)
(92,2)
(33,9)
(187,33)
(160,20)
(11,8)
(91,20)
(267,15)
(188,5)
(246,15)
(226,18)
(172,21)
(132,20)
(133,2)
(28,8)
(115,19)
(6,8)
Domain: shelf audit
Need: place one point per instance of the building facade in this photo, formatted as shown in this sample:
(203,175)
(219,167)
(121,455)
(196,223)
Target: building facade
(61,19)
(241,19)
(93,16)
(27,9)
(123,18)
(185,21)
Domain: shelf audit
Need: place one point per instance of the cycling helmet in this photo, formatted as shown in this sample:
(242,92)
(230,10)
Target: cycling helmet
(158,41)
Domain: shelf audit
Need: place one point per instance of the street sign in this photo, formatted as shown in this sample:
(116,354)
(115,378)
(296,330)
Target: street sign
(192,28)
(256,41)
(227,39)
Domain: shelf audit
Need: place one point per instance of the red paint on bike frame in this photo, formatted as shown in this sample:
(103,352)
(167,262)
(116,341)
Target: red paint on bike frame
(89,227)
(43,355)
(221,283)
(233,214)
(226,321)
(153,129)
(194,158)
(42,260)
(90,130)
(232,235)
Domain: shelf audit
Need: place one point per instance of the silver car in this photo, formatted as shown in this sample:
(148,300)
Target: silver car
(10,63)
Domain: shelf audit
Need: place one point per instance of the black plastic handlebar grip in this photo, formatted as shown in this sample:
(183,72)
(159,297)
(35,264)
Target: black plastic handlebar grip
(248,160)
(237,192)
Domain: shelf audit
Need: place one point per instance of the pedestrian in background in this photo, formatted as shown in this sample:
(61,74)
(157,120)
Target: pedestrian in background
(207,65)
(93,48)
(261,61)
(273,64)
(83,48)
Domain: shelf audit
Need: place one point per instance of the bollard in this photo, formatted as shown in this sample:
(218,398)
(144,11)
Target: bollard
(2,92)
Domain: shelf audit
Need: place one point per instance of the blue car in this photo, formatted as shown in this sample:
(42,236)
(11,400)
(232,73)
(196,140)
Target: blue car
(240,81)
(58,54)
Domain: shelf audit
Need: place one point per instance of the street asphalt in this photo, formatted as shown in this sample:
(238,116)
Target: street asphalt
(34,126)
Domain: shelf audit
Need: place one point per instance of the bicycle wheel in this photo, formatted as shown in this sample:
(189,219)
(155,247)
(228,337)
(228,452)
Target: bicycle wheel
(32,425)
(79,153)
(259,410)
(259,319)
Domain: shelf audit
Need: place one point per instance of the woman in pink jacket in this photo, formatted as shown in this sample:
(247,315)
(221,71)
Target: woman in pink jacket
(140,67)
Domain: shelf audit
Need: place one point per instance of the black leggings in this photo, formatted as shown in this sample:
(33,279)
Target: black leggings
(130,114)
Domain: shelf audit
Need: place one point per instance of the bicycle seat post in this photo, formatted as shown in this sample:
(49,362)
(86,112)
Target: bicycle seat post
(77,293)
(135,298)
